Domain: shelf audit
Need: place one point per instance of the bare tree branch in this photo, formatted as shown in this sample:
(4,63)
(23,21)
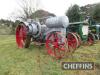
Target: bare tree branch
(27,7)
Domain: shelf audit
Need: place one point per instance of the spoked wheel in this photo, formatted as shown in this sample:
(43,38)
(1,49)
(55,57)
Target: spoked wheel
(79,39)
(91,39)
(21,36)
(72,41)
(56,45)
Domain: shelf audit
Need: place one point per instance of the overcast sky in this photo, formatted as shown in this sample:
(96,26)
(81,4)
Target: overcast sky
(58,7)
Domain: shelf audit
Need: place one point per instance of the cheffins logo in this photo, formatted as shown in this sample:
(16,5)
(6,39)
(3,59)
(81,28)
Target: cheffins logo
(78,65)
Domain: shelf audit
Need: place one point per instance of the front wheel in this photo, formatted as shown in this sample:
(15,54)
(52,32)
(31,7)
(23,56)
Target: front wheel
(56,45)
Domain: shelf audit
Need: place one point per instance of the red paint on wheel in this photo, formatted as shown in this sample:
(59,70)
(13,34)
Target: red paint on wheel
(72,40)
(21,33)
(54,45)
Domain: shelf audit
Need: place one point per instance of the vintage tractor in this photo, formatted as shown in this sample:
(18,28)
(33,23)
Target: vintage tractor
(78,33)
(95,29)
(52,34)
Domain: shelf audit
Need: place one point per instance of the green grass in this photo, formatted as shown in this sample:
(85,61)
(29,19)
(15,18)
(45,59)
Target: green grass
(35,60)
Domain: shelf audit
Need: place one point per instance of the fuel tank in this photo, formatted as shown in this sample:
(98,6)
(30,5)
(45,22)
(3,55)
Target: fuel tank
(57,22)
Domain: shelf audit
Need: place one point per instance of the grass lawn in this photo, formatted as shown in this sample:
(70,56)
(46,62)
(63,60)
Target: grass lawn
(35,60)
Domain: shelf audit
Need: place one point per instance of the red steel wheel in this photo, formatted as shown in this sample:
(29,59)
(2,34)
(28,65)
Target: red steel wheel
(56,45)
(72,41)
(91,39)
(79,39)
(21,33)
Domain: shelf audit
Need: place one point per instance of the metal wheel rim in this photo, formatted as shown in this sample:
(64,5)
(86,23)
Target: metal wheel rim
(21,33)
(72,41)
(79,39)
(58,50)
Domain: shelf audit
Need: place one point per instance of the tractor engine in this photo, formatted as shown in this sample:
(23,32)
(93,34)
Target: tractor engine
(57,24)
(52,24)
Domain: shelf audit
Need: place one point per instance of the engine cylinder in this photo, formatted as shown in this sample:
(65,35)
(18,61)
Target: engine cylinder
(57,22)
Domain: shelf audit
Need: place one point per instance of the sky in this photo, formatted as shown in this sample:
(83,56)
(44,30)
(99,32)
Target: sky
(8,8)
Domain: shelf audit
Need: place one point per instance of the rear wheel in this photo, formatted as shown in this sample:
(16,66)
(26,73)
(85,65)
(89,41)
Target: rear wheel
(79,39)
(22,39)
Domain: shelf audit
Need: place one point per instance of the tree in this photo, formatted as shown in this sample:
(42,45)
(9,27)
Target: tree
(27,8)
(7,23)
(14,25)
(73,13)
(41,13)
(96,13)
